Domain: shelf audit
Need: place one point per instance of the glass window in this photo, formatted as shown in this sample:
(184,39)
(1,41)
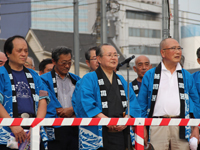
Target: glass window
(142,49)
(141,15)
(148,33)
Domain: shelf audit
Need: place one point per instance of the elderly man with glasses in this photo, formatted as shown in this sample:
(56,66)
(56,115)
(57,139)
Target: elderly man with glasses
(103,94)
(167,92)
(91,59)
(30,63)
(61,84)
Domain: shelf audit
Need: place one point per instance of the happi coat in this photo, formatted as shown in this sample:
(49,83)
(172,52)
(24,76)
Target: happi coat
(7,101)
(191,97)
(86,101)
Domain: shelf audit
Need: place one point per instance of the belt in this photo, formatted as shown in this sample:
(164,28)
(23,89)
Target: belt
(166,116)
(26,115)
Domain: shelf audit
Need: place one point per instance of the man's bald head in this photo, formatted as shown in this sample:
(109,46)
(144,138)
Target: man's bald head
(141,57)
(170,51)
(164,42)
(3,59)
(142,65)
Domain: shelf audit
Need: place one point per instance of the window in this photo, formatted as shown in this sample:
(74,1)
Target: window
(142,49)
(141,15)
(148,33)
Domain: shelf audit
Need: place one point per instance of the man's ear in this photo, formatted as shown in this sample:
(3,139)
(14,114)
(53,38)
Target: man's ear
(88,63)
(198,60)
(8,54)
(53,61)
(40,73)
(162,52)
(134,68)
(98,59)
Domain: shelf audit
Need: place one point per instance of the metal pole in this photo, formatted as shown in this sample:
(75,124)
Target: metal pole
(129,139)
(76,37)
(103,22)
(176,20)
(165,30)
(98,23)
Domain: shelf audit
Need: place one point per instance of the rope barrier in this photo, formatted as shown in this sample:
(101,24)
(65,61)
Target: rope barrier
(98,121)
(139,124)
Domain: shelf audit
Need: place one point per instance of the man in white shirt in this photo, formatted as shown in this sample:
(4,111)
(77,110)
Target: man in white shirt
(166,92)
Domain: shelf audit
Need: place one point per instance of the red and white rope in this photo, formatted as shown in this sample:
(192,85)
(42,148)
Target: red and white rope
(35,123)
(97,121)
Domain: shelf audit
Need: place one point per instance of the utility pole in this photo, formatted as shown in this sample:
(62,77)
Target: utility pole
(103,22)
(98,23)
(76,37)
(176,20)
(165,19)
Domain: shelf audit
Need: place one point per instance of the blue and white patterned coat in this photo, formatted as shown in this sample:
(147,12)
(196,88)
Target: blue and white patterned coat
(191,95)
(54,103)
(86,102)
(6,99)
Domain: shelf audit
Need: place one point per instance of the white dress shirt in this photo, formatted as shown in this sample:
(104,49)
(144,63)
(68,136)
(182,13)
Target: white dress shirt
(168,97)
(65,89)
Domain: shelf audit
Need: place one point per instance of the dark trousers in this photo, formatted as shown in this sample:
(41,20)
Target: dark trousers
(66,139)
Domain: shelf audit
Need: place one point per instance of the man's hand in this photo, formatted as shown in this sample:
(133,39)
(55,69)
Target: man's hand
(195,133)
(101,115)
(29,135)
(120,128)
(145,136)
(19,133)
(65,112)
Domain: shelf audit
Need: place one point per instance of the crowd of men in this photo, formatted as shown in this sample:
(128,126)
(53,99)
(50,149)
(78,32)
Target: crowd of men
(166,91)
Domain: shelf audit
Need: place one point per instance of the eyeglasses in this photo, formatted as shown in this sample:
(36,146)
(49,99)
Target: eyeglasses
(112,55)
(174,48)
(28,64)
(94,58)
(64,63)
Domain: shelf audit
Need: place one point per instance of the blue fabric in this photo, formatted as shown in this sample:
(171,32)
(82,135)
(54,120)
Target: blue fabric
(196,77)
(6,91)
(86,101)
(54,103)
(139,84)
(23,93)
(191,95)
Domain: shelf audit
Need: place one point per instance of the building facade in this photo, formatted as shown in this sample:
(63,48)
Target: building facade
(190,41)
(57,15)
(140,29)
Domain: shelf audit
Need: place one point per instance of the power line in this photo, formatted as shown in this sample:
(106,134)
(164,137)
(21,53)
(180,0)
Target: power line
(43,9)
(160,7)
(20,2)
(160,17)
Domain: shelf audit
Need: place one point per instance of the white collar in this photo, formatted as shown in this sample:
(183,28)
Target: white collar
(178,66)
